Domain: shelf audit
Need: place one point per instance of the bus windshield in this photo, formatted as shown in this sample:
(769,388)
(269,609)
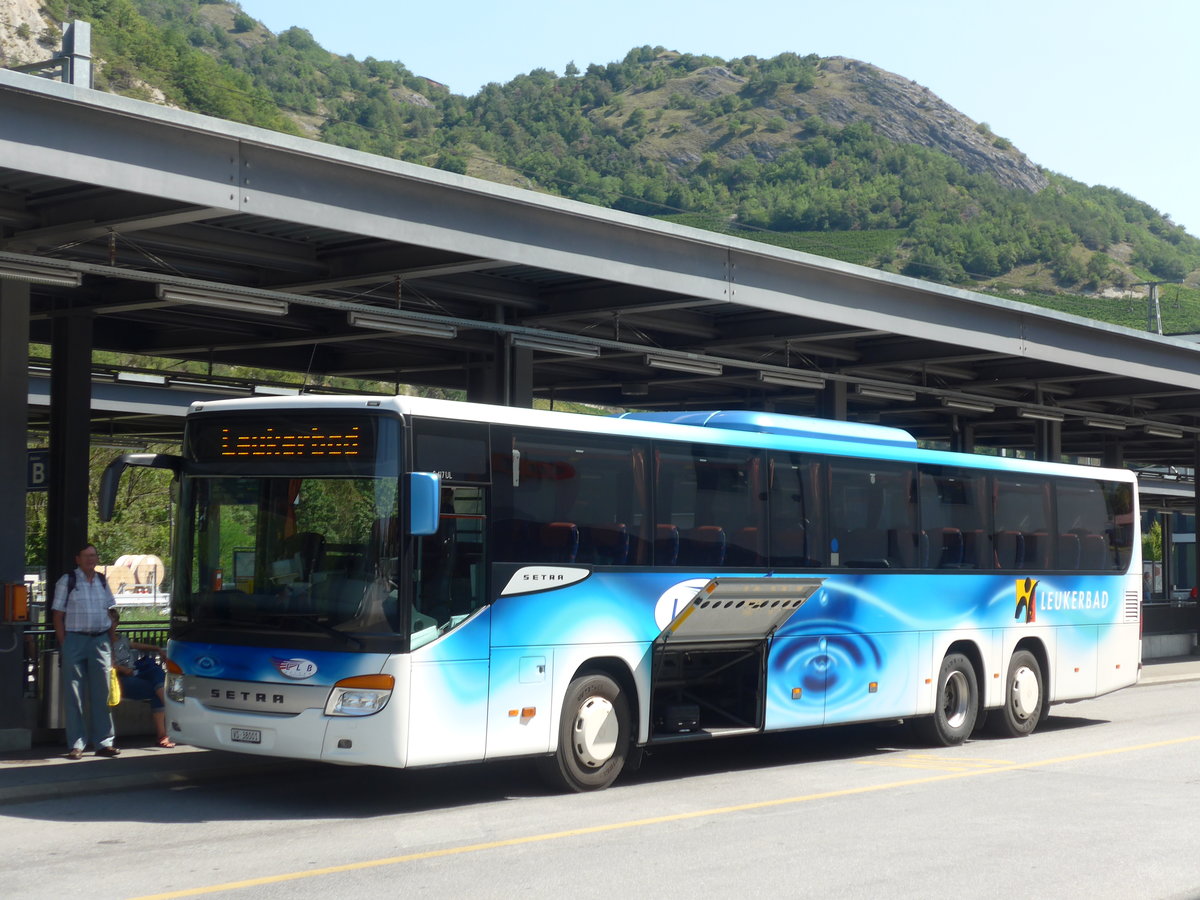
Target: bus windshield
(313,556)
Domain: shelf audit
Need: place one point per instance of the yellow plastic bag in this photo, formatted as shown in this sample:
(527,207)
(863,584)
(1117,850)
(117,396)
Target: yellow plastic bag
(114,687)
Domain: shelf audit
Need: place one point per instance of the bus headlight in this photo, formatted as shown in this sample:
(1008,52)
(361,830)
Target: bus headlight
(363,695)
(174,683)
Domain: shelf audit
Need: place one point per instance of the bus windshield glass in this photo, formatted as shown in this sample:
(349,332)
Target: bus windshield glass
(311,553)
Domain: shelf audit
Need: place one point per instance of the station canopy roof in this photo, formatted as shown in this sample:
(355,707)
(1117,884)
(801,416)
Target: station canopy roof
(192,238)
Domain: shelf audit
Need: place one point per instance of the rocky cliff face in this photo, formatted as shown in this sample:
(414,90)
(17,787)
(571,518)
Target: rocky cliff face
(21,27)
(908,113)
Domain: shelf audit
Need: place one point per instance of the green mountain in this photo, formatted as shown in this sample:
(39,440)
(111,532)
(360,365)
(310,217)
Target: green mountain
(827,155)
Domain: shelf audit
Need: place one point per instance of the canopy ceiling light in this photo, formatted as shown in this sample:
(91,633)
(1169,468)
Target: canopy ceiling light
(1110,424)
(141,378)
(415,327)
(553,345)
(792,379)
(972,405)
(691,366)
(884,393)
(1164,431)
(1041,415)
(40,274)
(263,306)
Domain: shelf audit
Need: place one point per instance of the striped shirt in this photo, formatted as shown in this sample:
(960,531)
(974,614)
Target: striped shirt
(88,606)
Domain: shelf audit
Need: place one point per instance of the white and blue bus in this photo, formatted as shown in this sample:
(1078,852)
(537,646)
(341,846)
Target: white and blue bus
(408,582)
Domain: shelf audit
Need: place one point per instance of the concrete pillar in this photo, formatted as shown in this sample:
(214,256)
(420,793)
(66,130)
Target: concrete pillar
(70,427)
(15,730)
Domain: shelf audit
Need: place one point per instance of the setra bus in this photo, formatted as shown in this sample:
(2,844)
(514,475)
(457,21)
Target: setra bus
(408,582)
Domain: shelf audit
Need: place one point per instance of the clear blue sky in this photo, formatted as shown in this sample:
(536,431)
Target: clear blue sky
(1104,91)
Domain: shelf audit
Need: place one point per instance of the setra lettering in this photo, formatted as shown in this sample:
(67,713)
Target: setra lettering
(244,696)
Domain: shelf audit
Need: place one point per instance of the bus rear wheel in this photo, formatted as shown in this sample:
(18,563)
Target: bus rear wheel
(955,707)
(1024,698)
(593,736)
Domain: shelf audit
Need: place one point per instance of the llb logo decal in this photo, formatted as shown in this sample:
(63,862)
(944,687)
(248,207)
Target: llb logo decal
(1026,592)
(295,668)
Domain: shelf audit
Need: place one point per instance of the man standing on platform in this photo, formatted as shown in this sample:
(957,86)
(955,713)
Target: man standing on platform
(85,621)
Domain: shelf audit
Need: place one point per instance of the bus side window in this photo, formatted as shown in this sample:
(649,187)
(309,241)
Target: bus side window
(1091,533)
(953,507)
(796,536)
(1022,523)
(580,500)
(873,514)
(710,501)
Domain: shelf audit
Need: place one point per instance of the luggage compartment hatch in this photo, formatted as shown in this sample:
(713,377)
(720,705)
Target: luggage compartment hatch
(738,609)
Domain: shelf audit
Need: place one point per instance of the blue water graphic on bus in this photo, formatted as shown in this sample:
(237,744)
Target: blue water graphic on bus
(271,664)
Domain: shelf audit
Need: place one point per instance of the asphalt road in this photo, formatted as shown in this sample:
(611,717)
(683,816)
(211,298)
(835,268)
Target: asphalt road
(1104,802)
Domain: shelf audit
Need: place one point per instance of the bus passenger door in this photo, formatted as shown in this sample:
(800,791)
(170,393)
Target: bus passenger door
(451,634)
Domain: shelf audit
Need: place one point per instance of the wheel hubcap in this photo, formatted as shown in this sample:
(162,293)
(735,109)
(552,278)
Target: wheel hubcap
(596,731)
(1025,693)
(955,697)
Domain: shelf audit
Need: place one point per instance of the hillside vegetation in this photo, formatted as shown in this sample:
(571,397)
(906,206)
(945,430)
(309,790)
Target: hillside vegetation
(827,155)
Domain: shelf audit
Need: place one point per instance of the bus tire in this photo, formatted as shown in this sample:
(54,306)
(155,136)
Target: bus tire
(593,736)
(1024,698)
(955,706)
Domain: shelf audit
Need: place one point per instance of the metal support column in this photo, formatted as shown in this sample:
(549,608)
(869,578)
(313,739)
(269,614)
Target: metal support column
(1195,514)
(1166,524)
(962,436)
(1048,441)
(77,51)
(831,401)
(487,375)
(70,426)
(15,733)
(1114,455)
(520,392)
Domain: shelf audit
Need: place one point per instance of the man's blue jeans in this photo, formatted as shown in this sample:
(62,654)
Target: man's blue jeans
(86,660)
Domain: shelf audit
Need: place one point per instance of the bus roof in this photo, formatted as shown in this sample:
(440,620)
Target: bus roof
(776,423)
(733,428)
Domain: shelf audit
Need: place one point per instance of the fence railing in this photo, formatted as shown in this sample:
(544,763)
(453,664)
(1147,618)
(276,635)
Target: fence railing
(39,641)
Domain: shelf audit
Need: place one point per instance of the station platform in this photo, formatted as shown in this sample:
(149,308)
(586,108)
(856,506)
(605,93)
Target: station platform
(43,772)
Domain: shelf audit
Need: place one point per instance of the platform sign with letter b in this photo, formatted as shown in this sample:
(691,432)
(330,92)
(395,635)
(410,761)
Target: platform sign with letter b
(37,470)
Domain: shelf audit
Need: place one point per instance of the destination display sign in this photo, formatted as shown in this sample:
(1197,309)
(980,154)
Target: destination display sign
(296,438)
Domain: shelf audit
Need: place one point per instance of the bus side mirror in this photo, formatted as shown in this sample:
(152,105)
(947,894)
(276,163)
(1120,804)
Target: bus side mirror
(111,479)
(424,501)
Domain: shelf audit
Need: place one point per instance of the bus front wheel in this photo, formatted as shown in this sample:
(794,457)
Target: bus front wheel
(1024,698)
(956,704)
(593,736)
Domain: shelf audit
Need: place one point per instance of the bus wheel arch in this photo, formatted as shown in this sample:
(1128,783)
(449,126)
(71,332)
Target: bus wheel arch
(595,730)
(1026,697)
(956,698)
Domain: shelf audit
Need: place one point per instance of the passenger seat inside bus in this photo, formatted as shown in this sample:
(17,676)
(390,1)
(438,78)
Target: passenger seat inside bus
(702,546)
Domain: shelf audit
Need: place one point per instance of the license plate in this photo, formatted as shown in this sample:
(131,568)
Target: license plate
(245,735)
